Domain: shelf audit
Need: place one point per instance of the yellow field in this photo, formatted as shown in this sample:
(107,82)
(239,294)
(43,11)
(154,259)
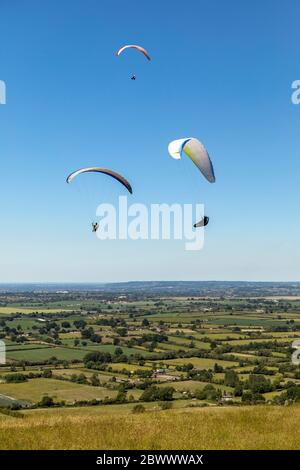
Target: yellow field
(70,335)
(31,310)
(260,427)
(199,362)
(131,367)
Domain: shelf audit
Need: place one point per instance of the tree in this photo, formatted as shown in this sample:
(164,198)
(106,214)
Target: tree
(238,389)
(204,375)
(81,379)
(47,373)
(46,402)
(15,378)
(293,393)
(121,331)
(118,351)
(95,382)
(208,393)
(249,397)
(166,393)
(97,357)
(96,338)
(218,368)
(121,397)
(87,333)
(138,409)
(231,378)
(79,324)
(166,405)
(259,384)
(154,393)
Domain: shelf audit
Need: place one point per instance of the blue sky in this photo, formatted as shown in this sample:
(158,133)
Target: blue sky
(221,71)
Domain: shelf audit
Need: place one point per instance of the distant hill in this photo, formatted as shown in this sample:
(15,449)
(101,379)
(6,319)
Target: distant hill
(165,288)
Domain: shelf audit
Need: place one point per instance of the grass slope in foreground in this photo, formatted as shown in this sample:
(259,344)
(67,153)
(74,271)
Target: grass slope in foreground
(260,427)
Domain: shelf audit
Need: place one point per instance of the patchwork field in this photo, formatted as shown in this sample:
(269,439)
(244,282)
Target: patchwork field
(191,357)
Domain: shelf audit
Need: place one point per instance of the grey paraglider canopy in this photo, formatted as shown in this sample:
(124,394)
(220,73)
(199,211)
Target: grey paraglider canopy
(105,171)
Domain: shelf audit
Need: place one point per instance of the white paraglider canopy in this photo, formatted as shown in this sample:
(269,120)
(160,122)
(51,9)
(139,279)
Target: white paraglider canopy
(133,46)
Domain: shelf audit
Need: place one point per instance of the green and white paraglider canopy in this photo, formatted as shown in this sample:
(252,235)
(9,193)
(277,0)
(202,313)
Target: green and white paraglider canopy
(196,151)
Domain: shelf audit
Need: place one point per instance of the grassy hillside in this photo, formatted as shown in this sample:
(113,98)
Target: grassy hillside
(260,427)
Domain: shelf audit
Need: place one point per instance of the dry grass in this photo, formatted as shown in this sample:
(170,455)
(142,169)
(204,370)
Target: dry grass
(264,427)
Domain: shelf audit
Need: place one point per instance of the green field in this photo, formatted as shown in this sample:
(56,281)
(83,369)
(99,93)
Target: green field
(193,386)
(42,354)
(35,389)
